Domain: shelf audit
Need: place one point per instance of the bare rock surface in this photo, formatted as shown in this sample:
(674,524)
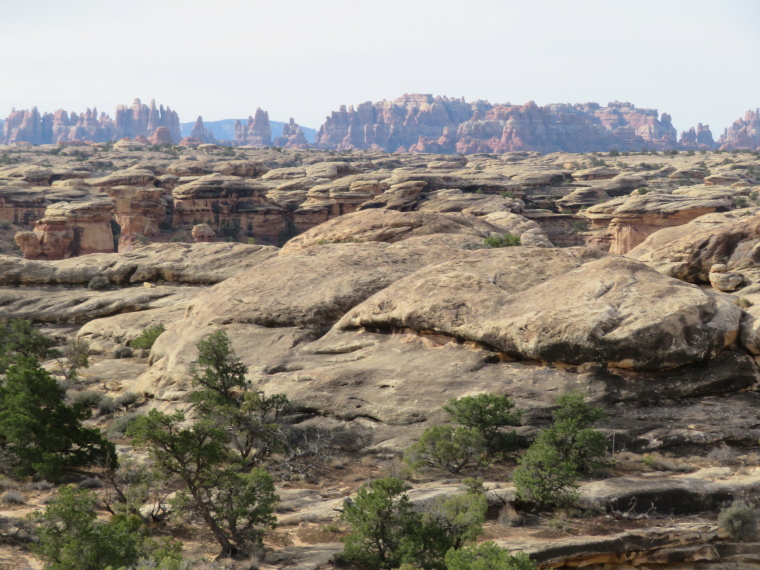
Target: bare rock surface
(81,305)
(603,319)
(200,263)
(389,226)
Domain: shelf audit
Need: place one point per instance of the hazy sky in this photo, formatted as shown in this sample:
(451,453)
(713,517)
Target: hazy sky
(696,59)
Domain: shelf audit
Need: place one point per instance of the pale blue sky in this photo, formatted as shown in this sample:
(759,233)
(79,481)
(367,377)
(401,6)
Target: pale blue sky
(697,60)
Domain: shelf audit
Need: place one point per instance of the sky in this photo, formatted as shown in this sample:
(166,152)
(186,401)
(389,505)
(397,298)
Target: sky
(697,60)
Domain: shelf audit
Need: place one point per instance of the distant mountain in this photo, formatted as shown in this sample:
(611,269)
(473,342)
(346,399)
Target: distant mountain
(225,129)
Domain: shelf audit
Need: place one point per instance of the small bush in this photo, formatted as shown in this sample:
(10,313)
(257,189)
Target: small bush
(122,352)
(126,400)
(90,483)
(88,399)
(741,202)
(445,448)
(487,413)
(41,485)
(487,556)
(506,240)
(98,283)
(121,424)
(12,498)
(107,406)
(148,337)
(738,520)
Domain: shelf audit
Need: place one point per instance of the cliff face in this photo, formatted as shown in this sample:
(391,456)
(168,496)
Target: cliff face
(423,123)
(60,127)
(743,134)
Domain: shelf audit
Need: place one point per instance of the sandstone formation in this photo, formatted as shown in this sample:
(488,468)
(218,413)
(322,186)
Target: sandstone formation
(218,200)
(633,219)
(423,123)
(200,263)
(292,136)
(743,134)
(202,233)
(69,230)
(257,132)
(389,226)
(60,127)
(201,133)
(138,211)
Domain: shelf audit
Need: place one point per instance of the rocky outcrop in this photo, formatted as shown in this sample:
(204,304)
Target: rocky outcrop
(691,251)
(257,132)
(70,229)
(21,205)
(138,211)
(292,136)
(202,233)
(423,123)
(143,120)
(743,134)
(232,202)
(633,219)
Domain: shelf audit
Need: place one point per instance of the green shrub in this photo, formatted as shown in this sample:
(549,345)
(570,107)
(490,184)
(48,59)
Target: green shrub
(72,538)
(383,525)
(487,413)
(44,435)
(445,448)
(738,520)
(551,468)
(506,240)
(19,338)
(741,202)
(148,337)
(487,556)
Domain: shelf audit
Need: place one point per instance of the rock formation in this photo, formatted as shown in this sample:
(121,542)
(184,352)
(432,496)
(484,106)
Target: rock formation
(743,134)
(257,132)
(138,211)
(229,202)
(292,136)
(69,230)
(201,133)
(697,139)
(423,123)
(60,127)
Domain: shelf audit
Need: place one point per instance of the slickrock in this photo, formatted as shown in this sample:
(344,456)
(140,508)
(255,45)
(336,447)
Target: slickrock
(389,226)
(201,263)
(599,313)
(529,232)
